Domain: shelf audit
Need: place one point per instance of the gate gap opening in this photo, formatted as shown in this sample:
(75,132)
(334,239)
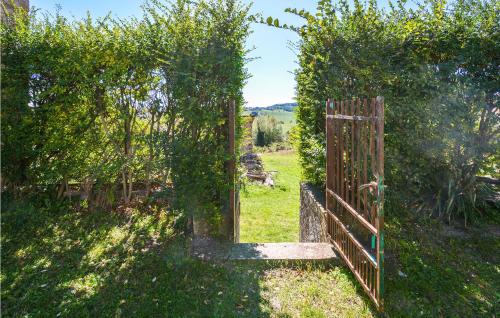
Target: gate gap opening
(270,193)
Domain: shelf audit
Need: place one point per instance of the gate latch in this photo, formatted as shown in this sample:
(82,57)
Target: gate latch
(372,186)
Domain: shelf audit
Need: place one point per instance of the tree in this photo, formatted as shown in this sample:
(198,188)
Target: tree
(267,130)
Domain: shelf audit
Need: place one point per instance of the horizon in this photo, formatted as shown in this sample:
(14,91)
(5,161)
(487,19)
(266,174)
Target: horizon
(275,104)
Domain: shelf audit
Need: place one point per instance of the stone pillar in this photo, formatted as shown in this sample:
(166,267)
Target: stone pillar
(313,225)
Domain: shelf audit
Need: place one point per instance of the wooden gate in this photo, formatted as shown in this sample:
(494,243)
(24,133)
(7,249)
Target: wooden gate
(355,188)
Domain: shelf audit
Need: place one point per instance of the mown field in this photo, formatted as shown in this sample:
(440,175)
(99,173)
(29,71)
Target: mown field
(272,214)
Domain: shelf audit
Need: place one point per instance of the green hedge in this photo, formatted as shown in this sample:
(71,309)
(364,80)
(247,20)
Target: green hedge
(437,68)
(111,103)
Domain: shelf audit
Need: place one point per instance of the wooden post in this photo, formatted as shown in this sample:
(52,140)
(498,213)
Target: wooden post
(380,204)
(329,133)
(231,224)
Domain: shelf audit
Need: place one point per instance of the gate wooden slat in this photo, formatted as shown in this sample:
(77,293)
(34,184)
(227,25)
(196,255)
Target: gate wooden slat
(329,170)
(341,155)
(346,152)
(365,161)
(355,155)
(337,157)
(358,158)
(353,152)
(371,153)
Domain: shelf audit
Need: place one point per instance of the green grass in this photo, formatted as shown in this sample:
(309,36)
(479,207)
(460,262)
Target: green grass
(272,214)
(58,262)
(444,275)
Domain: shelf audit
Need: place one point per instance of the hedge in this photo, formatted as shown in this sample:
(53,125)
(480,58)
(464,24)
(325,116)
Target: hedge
(108,104)
(437,67)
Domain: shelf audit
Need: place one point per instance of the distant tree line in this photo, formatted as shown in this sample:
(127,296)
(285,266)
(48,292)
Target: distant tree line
(287,107)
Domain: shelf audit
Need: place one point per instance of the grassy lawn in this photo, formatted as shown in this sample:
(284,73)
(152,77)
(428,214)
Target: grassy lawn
(57,262)
(434,272)
(272,214)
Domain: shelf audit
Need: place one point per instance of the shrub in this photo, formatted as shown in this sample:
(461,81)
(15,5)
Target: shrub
(436,66)
(110,104)
(267,130)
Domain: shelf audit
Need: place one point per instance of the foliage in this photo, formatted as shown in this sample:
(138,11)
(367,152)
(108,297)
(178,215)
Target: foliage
(266,130)
(437,67)
(293,136)
(286,121)
(112,106)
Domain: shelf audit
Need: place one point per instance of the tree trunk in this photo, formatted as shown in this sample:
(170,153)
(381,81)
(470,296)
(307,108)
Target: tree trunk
(151,156)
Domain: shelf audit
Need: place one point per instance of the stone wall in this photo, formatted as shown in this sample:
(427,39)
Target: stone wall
(312,214)
(247,142)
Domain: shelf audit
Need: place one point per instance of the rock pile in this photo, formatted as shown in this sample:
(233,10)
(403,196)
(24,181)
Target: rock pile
(255,170)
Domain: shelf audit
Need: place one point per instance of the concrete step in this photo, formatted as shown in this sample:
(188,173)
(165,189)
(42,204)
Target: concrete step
(213,250)
(282,251)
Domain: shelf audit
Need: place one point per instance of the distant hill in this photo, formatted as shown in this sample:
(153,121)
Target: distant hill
(287,107)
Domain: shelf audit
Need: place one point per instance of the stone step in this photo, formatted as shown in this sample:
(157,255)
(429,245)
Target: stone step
(282,251)
(212,250)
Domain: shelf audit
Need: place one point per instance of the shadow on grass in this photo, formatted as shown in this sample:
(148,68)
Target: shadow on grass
(101,264)
(64,263)
(430,274)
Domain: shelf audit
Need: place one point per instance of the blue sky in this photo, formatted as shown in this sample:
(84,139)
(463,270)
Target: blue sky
(272,80)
